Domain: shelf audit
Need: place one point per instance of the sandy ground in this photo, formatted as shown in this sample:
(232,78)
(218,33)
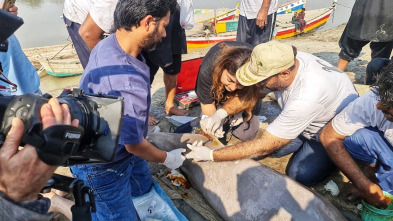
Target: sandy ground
(322,44)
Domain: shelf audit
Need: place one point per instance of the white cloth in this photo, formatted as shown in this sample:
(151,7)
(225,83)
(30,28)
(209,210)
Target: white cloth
(101,12)
(318,92)
(363,113)
(250,8)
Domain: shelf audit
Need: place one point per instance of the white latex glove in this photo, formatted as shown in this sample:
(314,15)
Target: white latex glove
(219,132)
(199,152)
(210,124)
(174,158)
(237,119)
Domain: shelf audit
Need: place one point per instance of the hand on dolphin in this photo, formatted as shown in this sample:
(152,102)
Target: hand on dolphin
(174,159)
(237,119)
(211,124)
(199,152)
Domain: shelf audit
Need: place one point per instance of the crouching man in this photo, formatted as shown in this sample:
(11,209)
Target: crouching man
(363,131)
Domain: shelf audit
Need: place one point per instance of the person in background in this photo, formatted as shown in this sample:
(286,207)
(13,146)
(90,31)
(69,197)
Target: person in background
(17,67)
(217,83)
(300,17)
(86,23)
(167,55)
(257,20)
(362,134)
(310,92)
(117,68)
(371,22)
(296,22)
(22,173)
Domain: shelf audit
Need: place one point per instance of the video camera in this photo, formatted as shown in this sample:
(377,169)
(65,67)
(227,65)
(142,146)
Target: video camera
(100,118)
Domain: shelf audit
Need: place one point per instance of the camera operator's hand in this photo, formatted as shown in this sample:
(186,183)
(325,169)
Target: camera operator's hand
(22,173)
(13,10)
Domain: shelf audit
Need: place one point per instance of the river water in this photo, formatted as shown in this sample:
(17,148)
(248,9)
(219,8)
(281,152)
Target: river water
(44,26)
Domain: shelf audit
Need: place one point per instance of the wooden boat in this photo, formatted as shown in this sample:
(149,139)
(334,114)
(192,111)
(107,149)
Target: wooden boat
(201,40)
(64,63)
(228,15)
(284,27)
(291,7)
(317,18)
(62,67)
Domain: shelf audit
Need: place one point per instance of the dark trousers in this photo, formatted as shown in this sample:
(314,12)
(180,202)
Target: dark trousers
(351,48)
(374,68)
(80,46)
(309,163)
(249,32)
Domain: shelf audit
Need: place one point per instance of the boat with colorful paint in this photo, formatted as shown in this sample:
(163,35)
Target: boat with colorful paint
(284,27)
(314,18)
(291,7)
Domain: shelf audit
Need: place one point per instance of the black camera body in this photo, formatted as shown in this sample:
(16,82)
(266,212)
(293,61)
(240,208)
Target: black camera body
(100,118)
(95,140)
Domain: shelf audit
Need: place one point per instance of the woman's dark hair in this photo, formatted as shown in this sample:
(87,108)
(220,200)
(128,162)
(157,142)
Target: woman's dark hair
(129,13)
(231,58)
(384,86)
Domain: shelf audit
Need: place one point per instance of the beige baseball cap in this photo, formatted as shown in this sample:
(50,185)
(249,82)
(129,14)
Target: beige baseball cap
(267,59)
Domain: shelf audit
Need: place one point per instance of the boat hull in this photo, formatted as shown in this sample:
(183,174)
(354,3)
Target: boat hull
(201,42)
(287,32)
(311,25)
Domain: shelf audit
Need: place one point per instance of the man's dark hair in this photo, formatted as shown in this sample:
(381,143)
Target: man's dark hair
(384,86)
(129,13)
(294,54)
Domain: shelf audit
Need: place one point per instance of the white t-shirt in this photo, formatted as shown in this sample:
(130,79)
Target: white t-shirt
(363,113)
(101,11)
(318,92)
(250,8)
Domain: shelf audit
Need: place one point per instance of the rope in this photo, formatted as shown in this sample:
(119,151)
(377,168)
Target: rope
(343,5)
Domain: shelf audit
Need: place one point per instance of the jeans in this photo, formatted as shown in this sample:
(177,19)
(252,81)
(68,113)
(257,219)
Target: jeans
(113,184)
(309,164)
(374,68)
(369,146)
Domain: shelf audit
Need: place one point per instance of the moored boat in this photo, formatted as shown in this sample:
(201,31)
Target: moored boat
(291,7)
(284,27)
(314,19)
(62,67)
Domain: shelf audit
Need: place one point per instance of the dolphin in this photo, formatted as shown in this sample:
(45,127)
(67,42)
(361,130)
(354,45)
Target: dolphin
(246,189)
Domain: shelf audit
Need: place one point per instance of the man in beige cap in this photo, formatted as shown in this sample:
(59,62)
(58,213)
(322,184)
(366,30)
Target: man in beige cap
(310,92)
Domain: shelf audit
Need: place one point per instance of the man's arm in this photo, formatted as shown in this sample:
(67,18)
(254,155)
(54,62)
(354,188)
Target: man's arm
(262,146)
(233,106)
(263,13)
(334,146)
(147,151)
(208,109)
(90,32)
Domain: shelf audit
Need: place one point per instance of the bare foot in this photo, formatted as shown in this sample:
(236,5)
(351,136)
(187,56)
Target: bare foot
(59,204)
(152,120)
(176,111)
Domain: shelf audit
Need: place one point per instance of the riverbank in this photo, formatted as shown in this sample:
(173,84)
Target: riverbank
(323,44)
